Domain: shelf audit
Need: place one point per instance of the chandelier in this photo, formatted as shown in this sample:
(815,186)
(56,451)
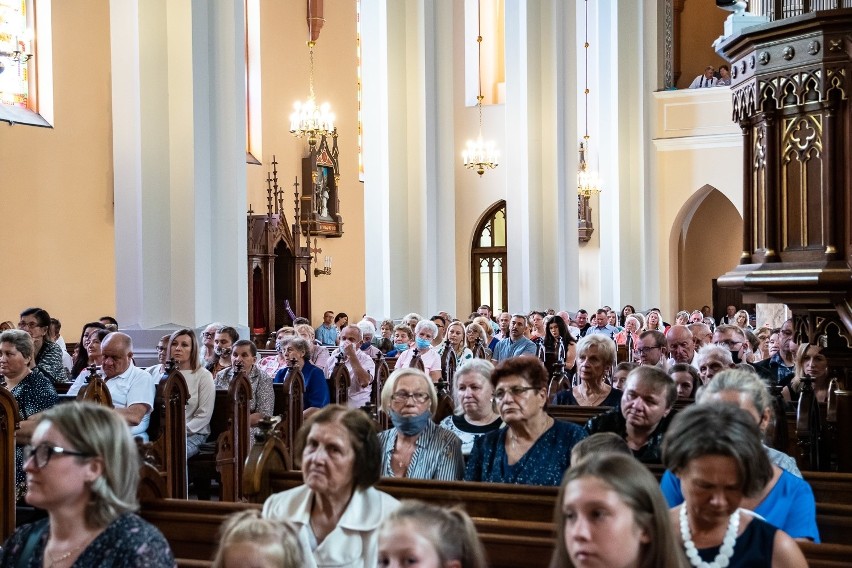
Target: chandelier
(309,120)
(588,182)
(480,154)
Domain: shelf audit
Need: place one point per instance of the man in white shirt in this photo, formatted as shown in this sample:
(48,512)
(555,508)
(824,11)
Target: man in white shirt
(361,368)
(704,80)
(132,389)
(681,345)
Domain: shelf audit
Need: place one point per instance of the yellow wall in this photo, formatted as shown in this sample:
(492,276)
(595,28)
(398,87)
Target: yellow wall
(701,23)
(56,183)
(285,70)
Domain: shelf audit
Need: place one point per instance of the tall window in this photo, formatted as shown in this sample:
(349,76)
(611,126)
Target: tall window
(488,259)
(15,51)
(26,62)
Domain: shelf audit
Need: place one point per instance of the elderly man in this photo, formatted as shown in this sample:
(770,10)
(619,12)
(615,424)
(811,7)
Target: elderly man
(706,79)
(368,332)
(644,415)
(516,344)
(728,318)
(207,336)
(602,325)
(131,388)
(712,359)
(733,338)
(361,368)
(778,369)
(566,317)
(651,349)
(696,317)
(680,344)
(701,334)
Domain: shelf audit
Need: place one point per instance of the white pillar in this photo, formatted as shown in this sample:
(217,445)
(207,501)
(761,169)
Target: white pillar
(178,83)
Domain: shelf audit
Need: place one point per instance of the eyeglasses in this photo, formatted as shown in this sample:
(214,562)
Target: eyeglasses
(160,348)
(42,453)
(645,350)
(28,325)
(207,334)
(403,396)
(730,343)
(500,394)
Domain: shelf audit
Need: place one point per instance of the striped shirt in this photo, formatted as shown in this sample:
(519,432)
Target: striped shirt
(437,454)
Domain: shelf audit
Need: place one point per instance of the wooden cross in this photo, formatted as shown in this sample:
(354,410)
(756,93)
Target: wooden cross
(315,251)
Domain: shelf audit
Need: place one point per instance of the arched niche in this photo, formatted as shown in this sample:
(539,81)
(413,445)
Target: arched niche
(488,269)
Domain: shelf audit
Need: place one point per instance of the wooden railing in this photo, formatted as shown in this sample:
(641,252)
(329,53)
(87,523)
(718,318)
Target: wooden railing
(780,9)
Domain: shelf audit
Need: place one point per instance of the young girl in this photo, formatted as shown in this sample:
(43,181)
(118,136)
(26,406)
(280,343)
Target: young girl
(249,541)
(429,537)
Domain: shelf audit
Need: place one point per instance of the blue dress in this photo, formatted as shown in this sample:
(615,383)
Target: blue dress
(789,505)
(752,549)
(316,388)
(543,464)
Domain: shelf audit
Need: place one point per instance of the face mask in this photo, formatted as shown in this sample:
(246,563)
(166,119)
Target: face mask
(366,345)
(345,344)
(422,343)
(410,425)
(222,352)
(735,355)
(400,346)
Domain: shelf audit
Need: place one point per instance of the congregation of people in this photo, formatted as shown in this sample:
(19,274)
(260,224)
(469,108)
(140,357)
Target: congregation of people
(725,496)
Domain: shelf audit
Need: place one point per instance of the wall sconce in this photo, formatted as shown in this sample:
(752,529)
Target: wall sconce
(21,55)
(326,270)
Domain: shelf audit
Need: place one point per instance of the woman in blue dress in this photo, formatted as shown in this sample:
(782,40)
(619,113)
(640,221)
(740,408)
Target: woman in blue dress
(533,449)
(297,353)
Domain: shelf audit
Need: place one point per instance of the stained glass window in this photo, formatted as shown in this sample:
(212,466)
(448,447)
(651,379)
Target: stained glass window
(15,53)
(488,259)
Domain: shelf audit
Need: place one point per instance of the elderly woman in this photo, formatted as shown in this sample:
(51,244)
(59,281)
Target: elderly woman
(81,356)
(183,348)
(33,391)
(712,359)
(48,355)
(337,511)
(296,352)
(83,468)
(455,335)
(474,337)
(272,363)
(595,358)
(424,333)
(244,357)
(654,321)
(534,449)
(682,318)
(811,362)
(644,413)
(416,447)
(318,353)
(610,512)
(631,329)
(559,344)
(718,472)
(786,501)
(475,412)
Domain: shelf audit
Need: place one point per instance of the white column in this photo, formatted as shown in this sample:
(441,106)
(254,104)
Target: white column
(409,190)
(178,75)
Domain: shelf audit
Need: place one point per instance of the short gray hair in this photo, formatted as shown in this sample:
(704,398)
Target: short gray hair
(481,369)
(712,351)
(390,386)
(427,325)
(21,340)
(367,328)
(606,346)
(744,382)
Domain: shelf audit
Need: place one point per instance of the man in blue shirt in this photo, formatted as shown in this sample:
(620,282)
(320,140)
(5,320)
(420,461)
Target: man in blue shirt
(602,325)
(327,332)
(516,344)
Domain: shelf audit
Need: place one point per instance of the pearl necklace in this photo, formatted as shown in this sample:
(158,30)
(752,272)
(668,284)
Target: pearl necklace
(726,551)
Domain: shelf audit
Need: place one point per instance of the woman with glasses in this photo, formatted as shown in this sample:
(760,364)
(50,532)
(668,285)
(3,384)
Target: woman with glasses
(33,392)
(48,355)
(533,449)
(416,447)
(83,469)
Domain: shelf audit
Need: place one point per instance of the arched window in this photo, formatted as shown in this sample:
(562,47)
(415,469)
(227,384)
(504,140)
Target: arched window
(488,259)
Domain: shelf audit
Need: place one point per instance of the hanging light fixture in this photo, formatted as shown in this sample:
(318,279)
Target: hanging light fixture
(479,154)
(309,120)
(588,182)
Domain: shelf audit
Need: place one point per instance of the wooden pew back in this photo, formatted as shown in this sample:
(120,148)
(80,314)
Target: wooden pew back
(290,405)
(338,382)
(10,418)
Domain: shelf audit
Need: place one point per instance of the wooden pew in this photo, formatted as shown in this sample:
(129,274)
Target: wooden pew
(95,389)
(10,418)
(579,415)
(381,374)
(338,382)
(164,456)
(229,427)
(290,406)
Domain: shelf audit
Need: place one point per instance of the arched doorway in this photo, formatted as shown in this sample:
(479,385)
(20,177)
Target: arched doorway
(285,283)
(708,237)
(488,260)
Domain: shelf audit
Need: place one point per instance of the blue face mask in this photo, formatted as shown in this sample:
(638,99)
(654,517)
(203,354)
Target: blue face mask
(365,346)
(410,425)
(422,343)
(400,346)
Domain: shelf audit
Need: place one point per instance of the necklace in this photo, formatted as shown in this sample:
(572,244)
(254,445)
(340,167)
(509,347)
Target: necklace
(54,560)
(514,436)
(591,401)
(726,551)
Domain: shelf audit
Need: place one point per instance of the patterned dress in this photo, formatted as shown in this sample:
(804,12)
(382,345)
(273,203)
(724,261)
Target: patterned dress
(127,542)
(262,395)
(35,393)
(49,361)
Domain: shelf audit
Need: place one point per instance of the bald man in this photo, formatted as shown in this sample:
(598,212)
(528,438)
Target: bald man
(681,345)
(132,389)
